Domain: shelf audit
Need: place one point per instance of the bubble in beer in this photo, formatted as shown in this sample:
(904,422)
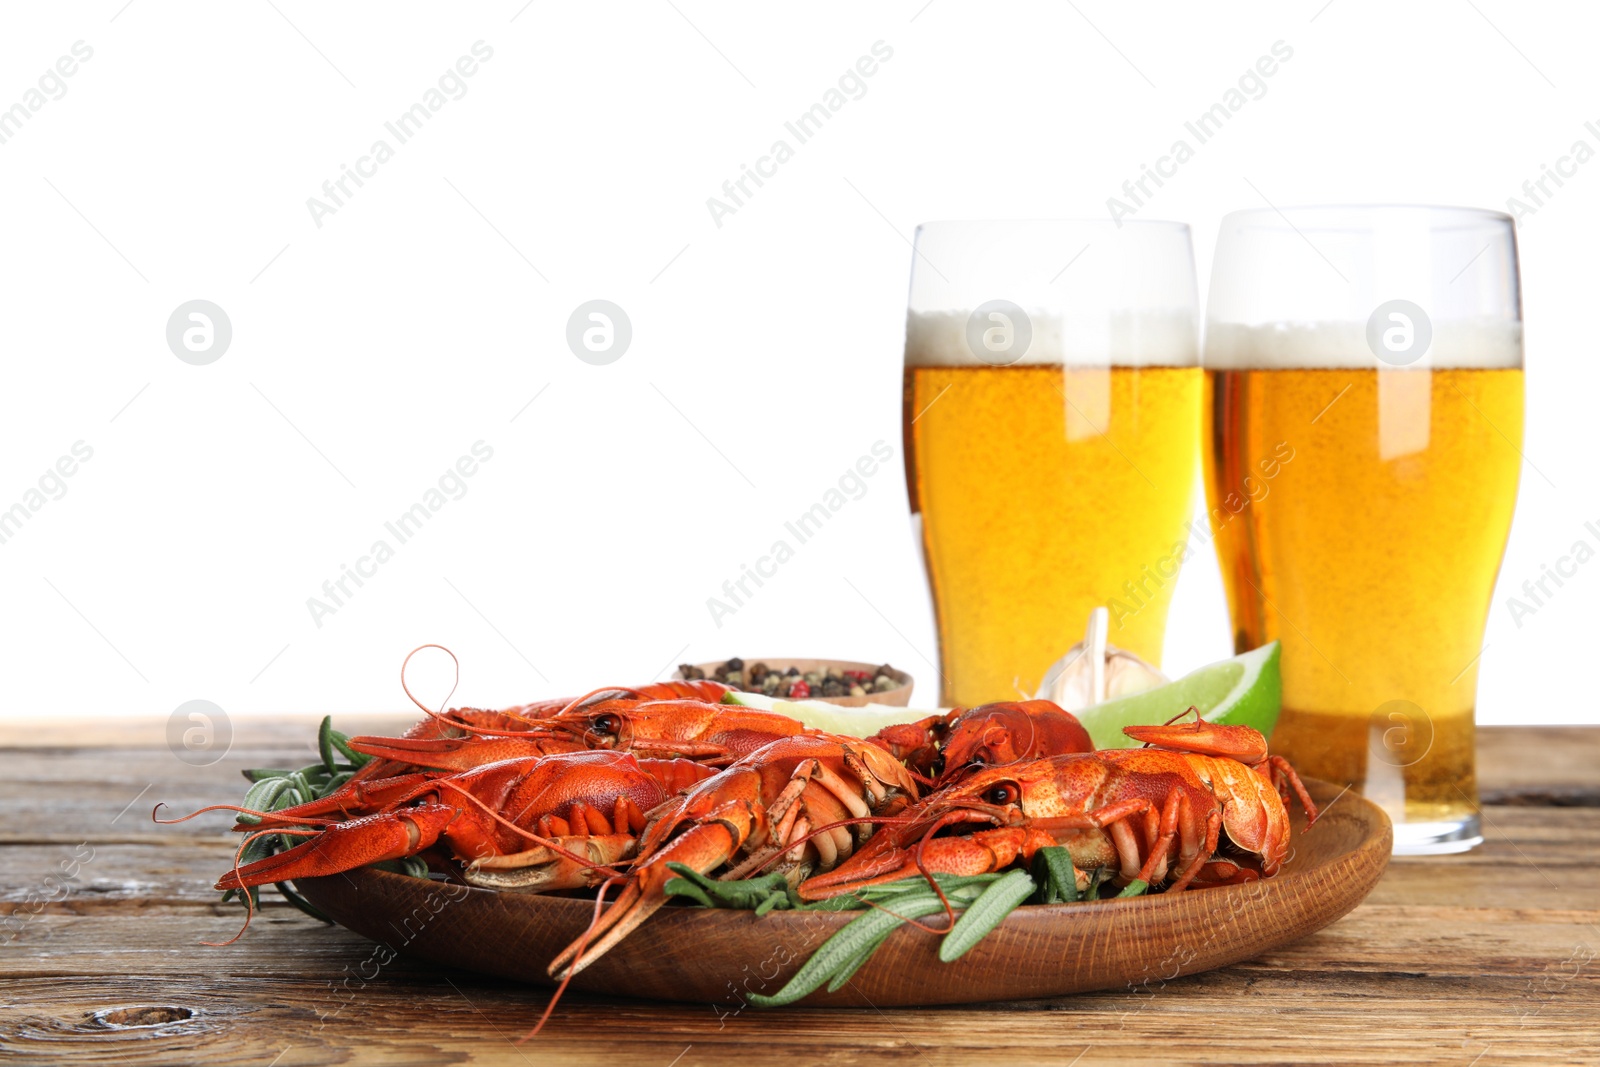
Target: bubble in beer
(1399,332)
(999,332)
(1399,733)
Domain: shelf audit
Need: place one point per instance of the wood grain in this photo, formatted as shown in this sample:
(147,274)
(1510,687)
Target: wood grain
(1486,958)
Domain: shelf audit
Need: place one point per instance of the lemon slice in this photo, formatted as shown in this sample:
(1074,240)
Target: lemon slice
(1243,691)
(830,718)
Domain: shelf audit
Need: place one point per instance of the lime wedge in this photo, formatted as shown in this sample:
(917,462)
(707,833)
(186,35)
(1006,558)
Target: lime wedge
(1243,691)
(830,718)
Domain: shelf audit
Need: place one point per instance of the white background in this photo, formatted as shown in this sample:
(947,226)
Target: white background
(425,314)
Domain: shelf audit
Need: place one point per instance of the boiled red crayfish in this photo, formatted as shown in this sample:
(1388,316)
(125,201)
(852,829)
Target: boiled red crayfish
(499,797)
(663,729)
(1009,732)
(460,738)
(659,728)
(788,798)
(554,819)
(947,746)
(1155,814)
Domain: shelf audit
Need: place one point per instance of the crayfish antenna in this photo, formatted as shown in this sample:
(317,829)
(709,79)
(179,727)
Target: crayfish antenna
(577,702)
(1192,709)
(202,811)
(246,891)
(922,868)
(583,943)
(918,923)
(949,909)
(249,913)
(440,715)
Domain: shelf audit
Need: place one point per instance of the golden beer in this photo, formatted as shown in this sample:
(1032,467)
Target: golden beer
(1044,491)
(1372,555)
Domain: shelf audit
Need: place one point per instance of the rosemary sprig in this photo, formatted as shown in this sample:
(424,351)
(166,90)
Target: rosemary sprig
(984,900)
(991,907)
(274,789)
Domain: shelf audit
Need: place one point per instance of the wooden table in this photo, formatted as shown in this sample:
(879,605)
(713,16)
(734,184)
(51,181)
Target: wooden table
(1483,958)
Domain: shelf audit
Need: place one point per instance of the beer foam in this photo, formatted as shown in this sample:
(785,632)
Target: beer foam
(1128,339)
(1467,344)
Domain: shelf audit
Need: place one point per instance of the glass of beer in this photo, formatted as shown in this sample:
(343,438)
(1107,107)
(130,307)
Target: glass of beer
(1052,434)
(1364,398)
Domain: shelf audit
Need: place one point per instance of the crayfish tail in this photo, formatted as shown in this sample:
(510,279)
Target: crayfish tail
(705,846)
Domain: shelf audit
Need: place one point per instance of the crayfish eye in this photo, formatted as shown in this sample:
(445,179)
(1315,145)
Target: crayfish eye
(1004,793)
(605,724)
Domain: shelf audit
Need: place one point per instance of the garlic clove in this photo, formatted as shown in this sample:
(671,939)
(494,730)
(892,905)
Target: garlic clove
(1094,671)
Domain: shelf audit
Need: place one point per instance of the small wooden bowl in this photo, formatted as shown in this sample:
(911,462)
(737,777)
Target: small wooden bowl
(898,697)
(1042,950)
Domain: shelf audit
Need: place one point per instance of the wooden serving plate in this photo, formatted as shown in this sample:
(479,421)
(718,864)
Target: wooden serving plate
(899,696)
(705,956)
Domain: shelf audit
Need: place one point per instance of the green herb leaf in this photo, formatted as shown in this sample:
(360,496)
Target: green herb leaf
(325,744)
(262,797)
(682,887)
(850,967)
(302,785)
(341,742)
(842,948)
(300,902)
(987,912)
(1097,878)
(261,774)
(1056,877)
(744,894)
(779,899)
(947,882)
(1134,888)
(260,848)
